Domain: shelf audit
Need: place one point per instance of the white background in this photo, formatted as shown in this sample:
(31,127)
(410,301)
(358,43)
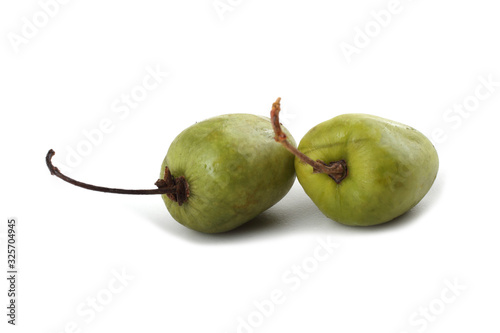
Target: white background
(72,71)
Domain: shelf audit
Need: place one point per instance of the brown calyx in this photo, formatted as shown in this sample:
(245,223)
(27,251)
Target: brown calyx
(180,184)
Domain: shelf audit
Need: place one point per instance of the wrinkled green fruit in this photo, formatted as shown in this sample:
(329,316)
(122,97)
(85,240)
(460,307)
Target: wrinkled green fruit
(234,169)
(390,168)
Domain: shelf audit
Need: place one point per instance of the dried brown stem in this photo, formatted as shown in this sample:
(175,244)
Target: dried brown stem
(176,189)
(337,170)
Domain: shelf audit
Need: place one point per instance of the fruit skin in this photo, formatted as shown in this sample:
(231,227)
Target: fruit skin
(391,167)
(234,168)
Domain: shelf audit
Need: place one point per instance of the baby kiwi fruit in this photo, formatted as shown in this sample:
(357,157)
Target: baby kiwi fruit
(218,173)
(361,169)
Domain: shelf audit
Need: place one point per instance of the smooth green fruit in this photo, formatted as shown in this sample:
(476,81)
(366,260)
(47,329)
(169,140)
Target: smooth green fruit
(390,168)
(234,171)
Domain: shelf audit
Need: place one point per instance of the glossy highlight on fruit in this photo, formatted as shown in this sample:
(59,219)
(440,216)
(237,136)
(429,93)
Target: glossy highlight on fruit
(234,170)
(363,170)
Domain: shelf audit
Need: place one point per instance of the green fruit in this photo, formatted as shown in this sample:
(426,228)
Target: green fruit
(217,174)
(389,168)
(233,168)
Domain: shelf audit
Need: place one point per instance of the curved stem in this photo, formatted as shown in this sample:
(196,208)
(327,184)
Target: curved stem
(281,137)
(336,170)
(55,171)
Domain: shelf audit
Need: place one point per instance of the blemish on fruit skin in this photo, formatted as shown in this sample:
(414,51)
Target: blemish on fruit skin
(244,207)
